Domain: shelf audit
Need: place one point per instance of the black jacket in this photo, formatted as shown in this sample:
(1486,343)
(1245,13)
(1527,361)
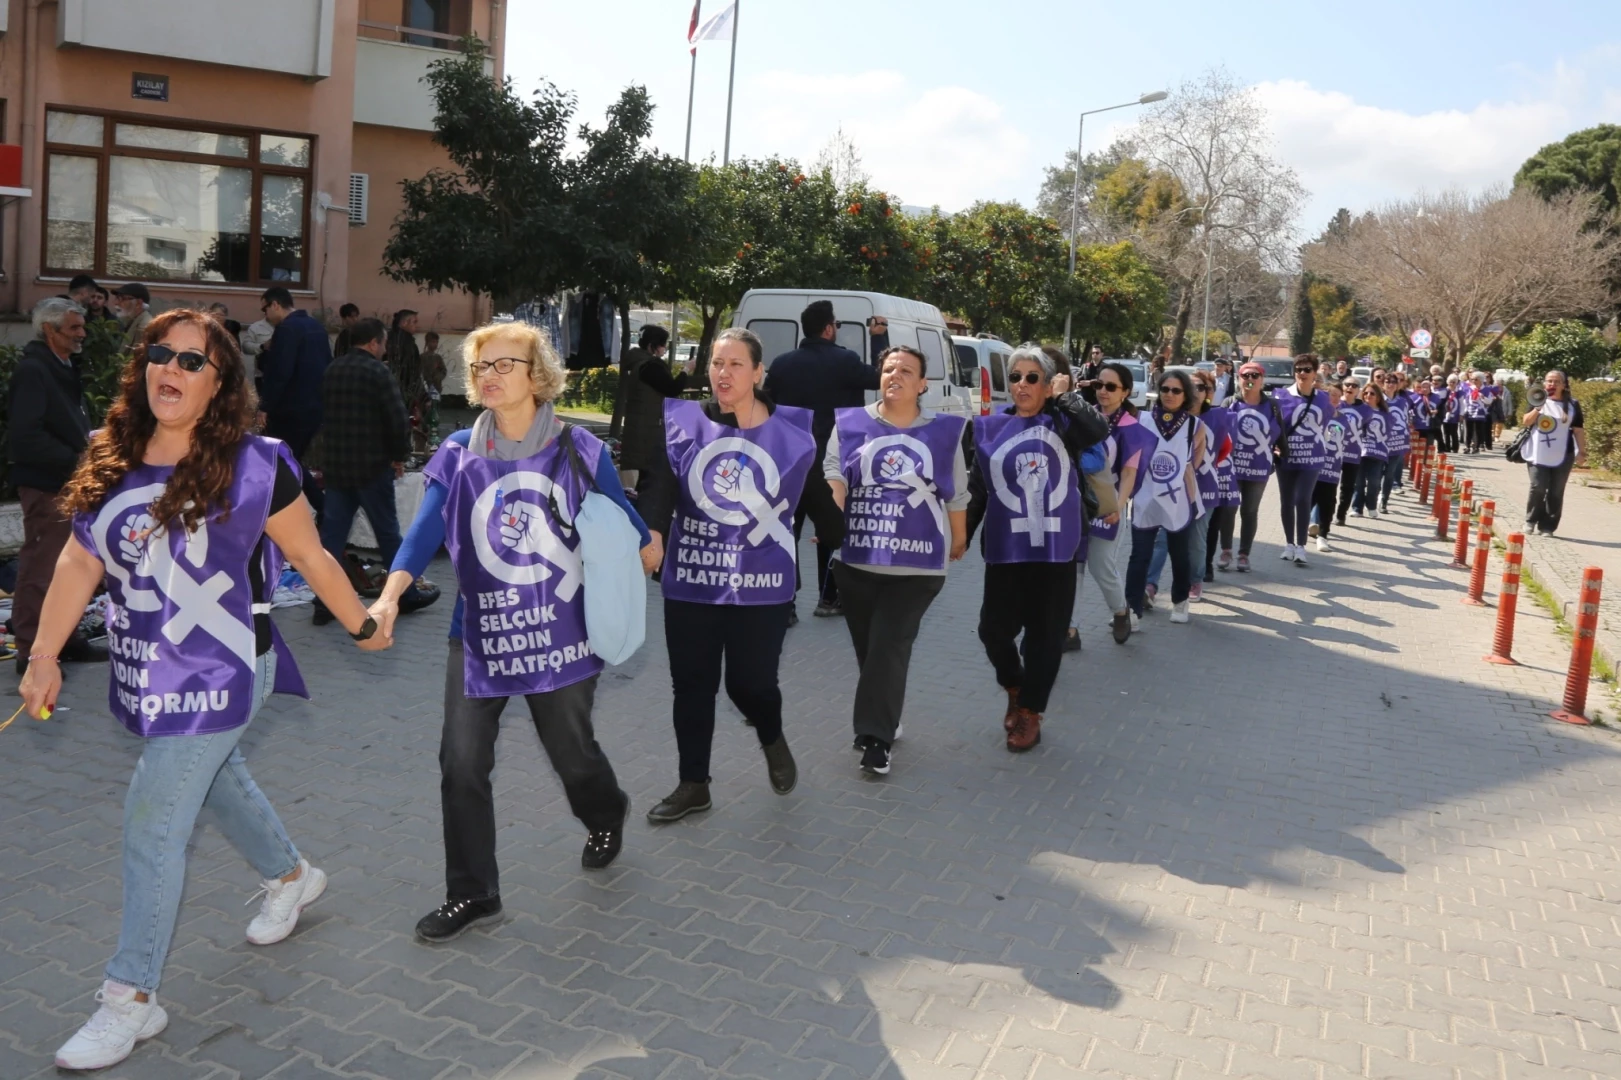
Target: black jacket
(1080,425)
(820,376)
(647,381)
(50,424)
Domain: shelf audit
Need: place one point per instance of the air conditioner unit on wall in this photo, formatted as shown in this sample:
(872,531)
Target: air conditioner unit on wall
(359,197)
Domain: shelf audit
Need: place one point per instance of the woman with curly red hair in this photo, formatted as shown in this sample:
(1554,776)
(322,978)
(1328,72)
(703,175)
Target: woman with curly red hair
(186,515)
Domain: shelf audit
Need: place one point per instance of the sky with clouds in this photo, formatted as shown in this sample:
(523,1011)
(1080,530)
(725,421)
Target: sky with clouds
(951,101)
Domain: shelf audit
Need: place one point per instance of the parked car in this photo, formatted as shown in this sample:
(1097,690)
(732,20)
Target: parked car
(982,363)
(1280,372)
(1362,374)
(773,314)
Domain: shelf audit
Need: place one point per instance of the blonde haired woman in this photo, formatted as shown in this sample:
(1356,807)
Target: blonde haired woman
(501,497)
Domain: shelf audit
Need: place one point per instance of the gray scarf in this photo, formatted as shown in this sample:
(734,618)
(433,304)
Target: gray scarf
(488,442)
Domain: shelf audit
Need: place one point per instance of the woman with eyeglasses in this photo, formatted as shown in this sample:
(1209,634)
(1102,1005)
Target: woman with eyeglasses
(1024,488)
(1302,452)
(897,471)
(1328,477)
(185,515)
(1350,417)
(1123,448)
(1256,427)
(502,497)
(1218,444)
(1375,416)
(1398,434)
(1167,495)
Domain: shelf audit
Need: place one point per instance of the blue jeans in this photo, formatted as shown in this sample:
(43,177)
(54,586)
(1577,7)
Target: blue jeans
(1393,470)
(377,500)
(177,776)
(1197,540)
(1370,478)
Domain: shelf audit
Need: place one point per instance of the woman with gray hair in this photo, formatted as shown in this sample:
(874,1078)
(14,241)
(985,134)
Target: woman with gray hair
(1025,487)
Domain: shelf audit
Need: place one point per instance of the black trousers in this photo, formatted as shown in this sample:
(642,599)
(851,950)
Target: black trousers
(1322,500)
(1449,437)
(1479,433)
(1250,494)
(816,503)
(1350,484)
(1546,503)
(1035,599)
(749,640)
(467,757)
(883,612)
(1219,534)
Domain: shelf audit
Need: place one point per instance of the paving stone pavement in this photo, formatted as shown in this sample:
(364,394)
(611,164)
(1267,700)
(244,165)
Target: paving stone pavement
(1310,834)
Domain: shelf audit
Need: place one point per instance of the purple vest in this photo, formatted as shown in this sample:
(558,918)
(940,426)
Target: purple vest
(1397,439)
(1375,426)
(509,531)
(1204,476)
(899,482)
(180,611)
(1334,443)
(1034,510)
(1350,417)
(1306,449)
(732,541)
(1127,436)
(1219,422)
(1254,432)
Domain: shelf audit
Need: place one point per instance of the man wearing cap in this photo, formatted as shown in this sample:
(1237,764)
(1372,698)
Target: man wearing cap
(132,300)
(1224,381)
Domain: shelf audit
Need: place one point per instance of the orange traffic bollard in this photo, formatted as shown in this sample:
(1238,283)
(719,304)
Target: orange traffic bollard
(1413,448)
(1443,504)
(1508,599)
(1460,550)
(1440,485)
(1483,547)
(1426,465)
(1581,650)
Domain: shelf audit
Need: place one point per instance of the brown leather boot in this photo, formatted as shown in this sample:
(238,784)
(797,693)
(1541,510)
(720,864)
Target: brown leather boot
(1025,732)
(1012,707)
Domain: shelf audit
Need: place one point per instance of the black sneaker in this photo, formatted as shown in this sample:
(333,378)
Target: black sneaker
(829,611)
(602,845)
(793,617)
(1072,640)
(780,767)
(689,797)
(454,918)
(323,614)
(874,756)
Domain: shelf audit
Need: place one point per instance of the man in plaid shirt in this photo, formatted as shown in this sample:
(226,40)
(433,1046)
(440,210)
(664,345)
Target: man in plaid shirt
(367,439)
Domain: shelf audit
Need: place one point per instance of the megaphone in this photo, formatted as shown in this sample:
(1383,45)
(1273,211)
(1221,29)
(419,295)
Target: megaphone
(1535,396)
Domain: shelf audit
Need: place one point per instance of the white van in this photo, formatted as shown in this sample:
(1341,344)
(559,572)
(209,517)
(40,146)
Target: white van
(773,314)
(986,359)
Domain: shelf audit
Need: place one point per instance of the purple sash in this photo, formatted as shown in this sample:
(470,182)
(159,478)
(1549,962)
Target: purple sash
(509,531)
(1254,432)
(1034,510)
(180,612)
(899,482)
(732,540)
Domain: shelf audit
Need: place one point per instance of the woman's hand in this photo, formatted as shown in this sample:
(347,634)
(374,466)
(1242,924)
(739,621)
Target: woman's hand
(1111,519)
(652,553)
(384,611)
(40,686)
(1060,384)
(377,642)
(1525,421)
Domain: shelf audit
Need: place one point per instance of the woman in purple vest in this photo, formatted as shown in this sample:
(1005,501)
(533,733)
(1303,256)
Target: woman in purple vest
(1375,416)
(501,497)
(898,473)
(1256,426)
(185,515)
(1350,414)
(1124,449)
(723,497)
(1024,485)
(1167,495)
(1304,410)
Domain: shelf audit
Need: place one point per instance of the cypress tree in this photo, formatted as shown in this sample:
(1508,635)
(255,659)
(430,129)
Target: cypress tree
(1302,323)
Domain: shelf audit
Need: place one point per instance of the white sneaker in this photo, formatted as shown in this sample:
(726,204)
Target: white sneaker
(284,901)
(1372,513)
(1288,552)
(1312,530)
(1135,622)
(1322,543)
(108,1037)
(1179,612)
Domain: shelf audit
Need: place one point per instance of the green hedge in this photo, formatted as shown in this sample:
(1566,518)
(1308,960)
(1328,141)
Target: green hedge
(1601,417)
(593,388)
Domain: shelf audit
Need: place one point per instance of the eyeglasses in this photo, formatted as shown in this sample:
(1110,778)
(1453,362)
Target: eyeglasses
(1029,377)
(502,366)
(1170,391)
(1111,387)
(160,355)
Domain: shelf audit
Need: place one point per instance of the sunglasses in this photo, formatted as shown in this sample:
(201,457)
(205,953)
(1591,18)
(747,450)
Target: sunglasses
(1030,377)
(1111,387)
(1305,371)
(1171,390)
(160,355)
(1251,377)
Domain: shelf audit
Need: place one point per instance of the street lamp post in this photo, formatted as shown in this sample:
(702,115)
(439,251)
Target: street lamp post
(1075,196)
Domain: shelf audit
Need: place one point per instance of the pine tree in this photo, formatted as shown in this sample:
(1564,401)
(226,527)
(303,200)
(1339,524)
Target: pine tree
(1303,324)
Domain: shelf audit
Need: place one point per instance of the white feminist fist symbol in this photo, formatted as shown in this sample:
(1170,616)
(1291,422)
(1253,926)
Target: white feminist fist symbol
(734,480)
(132,539)
(1254,433)
(1030,471)
(523,529)
(897,467)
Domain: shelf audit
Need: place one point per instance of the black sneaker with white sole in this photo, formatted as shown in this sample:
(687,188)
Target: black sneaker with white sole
(874,755)
(454,918)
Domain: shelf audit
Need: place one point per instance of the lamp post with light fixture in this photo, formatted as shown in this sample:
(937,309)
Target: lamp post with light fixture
(1075,197)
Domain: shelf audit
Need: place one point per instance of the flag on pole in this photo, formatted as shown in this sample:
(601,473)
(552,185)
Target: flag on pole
(718,28)
(692,28)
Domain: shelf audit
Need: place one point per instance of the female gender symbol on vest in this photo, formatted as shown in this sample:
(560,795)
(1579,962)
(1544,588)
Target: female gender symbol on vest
(513,539)
(731,479)
(905,463)
(141,551)
(1546,426)
(1043,486)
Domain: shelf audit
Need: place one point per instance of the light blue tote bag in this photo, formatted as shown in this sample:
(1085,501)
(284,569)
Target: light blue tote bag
(615,587)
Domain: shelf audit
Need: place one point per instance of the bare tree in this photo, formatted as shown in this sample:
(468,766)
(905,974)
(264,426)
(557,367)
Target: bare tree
(1470,268)
(1210,137)
(841,159)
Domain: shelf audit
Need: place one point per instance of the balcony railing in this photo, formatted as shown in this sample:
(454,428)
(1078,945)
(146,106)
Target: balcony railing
(410,35)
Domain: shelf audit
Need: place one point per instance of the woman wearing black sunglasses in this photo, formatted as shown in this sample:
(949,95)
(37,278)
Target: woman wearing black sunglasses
(1167,495)
(1304,411)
